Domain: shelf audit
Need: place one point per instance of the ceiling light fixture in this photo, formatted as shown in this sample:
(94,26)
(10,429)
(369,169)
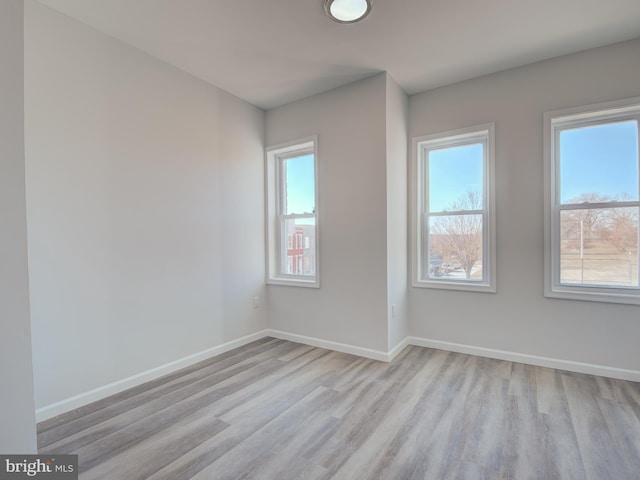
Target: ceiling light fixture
(347,11)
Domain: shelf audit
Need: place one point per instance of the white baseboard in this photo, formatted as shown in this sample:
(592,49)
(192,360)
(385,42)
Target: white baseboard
(99,393)
(393,353)
(328,344)
(578,367)
(85,398)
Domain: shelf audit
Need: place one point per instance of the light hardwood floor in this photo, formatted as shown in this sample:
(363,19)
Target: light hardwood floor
(274,409)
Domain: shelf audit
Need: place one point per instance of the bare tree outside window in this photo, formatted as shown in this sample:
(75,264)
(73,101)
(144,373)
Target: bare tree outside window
(583,225)
(600,244)
(620,229)
(457,239)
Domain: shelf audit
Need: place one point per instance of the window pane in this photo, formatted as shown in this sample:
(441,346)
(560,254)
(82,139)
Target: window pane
(599,163)
(300,241)
(299,194)
(599,247)
(454,174)
(455,247)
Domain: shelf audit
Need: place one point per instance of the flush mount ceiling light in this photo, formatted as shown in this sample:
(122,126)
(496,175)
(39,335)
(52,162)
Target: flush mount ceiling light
(347,11)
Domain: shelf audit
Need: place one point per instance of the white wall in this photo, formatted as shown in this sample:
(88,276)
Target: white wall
(144,194)
(17,419)
(351,304)
(518,318)
(397,131)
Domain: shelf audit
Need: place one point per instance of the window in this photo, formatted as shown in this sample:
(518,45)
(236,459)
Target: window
(292,215)
(453,242)
(592,183)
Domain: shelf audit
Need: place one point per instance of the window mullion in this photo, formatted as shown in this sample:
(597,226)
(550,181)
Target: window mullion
(598,205)
(295,216)
(458,212)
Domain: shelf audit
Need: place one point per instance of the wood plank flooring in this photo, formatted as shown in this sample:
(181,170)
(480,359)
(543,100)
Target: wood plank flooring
(274,409)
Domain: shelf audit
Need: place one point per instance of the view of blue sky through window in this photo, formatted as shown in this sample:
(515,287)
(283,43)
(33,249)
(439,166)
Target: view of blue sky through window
(601,159)
(598,164)
(453,173)
(300,185)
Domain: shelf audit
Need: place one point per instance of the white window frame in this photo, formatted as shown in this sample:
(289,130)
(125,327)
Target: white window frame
(484,134)
(554,122)
(276,218)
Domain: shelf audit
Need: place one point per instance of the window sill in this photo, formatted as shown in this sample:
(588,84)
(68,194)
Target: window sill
(294,282)
(632,297)
(456,285)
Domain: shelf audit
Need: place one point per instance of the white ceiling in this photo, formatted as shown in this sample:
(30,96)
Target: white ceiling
(271,52)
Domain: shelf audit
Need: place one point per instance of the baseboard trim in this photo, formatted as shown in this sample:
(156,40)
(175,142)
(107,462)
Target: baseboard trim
(330,345)
(393,353)
(578,367)
(99,393)
(68,404)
